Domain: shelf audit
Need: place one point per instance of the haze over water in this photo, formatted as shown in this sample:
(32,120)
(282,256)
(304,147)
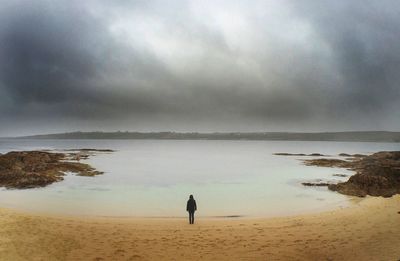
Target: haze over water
(155,178)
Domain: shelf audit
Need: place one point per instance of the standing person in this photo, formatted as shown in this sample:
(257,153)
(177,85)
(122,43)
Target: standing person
(191,207)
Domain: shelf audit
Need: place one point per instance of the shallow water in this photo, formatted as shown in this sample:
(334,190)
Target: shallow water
(155,178)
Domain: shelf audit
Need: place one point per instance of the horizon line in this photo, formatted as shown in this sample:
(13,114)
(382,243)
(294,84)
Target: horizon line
(198,132)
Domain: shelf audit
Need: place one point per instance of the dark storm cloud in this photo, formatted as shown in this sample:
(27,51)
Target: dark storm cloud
(55,53)
(196,64)
(363,37)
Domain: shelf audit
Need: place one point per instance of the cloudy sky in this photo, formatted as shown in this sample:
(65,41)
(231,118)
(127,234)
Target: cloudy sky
(199,65)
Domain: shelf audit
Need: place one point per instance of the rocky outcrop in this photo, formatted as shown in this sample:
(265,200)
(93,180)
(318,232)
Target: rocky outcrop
(30,169)
(340,175)
(376,175)
(318,183)
(298,154)
(315,184)
(351,155)
(328,163)
(316,154)
(91,150)
(289,154)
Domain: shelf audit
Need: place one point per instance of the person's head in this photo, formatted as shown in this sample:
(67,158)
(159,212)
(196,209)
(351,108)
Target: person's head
(191,196)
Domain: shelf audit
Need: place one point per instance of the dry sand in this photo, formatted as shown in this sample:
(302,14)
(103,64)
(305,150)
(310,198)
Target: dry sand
(369,230)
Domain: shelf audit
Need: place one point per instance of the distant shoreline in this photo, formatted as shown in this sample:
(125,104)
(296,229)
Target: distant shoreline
(348,136)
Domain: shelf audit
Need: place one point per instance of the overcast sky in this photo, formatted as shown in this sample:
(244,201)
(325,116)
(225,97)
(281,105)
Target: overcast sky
(199,65)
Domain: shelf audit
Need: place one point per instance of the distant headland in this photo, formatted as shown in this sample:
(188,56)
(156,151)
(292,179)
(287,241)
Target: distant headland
(349,136)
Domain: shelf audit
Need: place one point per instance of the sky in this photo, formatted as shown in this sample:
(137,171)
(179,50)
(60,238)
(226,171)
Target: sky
(283,65)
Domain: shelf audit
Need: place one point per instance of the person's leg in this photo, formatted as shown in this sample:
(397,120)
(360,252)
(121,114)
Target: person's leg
(191,217)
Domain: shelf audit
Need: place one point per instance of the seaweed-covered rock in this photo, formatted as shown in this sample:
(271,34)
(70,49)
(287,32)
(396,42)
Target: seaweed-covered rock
(289,154)
(29,169)
(376,175)
(299,154)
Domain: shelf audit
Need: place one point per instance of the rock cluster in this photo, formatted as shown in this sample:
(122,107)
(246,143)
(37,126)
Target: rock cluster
(299,154)
(376,175)
(30,169)
(315,184)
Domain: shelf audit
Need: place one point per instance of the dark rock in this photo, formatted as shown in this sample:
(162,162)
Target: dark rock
(359,155)
(289,154)
(92,150)
(316,154)
(311,184)
(340,175)
(328,163)
(29,169)
(298,154)
(376,175)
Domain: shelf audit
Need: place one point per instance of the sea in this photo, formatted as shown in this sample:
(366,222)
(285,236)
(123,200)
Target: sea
(154,178)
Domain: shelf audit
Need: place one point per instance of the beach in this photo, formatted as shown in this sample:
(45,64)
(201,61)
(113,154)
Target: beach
(368,230)
(277,122)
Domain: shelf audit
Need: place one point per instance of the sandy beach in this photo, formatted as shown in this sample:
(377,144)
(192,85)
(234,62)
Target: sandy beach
(369,230)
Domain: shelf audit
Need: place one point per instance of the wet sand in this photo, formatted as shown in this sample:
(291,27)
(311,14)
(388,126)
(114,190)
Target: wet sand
(369,230)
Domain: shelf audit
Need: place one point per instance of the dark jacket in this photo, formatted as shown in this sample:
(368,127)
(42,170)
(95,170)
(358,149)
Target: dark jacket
(191,205)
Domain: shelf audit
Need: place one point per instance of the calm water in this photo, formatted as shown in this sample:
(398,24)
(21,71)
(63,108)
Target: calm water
(155,178)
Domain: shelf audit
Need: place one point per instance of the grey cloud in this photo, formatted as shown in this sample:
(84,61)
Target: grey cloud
(362,36)
(63,55)
(307,65)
